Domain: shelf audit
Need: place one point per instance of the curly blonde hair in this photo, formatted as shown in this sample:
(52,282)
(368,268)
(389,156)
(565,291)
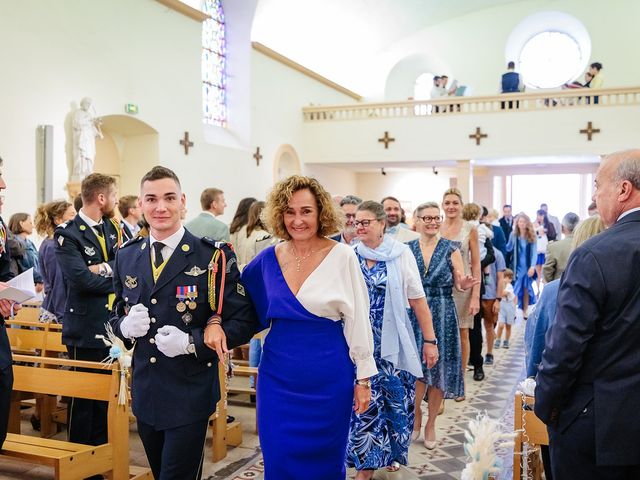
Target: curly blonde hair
(329,218)
(529,233)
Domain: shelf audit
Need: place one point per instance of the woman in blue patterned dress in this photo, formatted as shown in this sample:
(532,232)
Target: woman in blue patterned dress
(380,436)
(441,268)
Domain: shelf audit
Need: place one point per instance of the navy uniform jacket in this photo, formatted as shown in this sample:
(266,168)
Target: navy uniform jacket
(171,392)
(87,304)
(5,275)
(591,352)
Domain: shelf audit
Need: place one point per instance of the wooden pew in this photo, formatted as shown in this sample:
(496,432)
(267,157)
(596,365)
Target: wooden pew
(40,339)
(224,434)
(72,461)
(529,430)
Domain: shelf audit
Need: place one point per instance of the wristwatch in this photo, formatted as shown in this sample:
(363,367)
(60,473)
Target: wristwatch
(431,342)
(191,346)
(364,383)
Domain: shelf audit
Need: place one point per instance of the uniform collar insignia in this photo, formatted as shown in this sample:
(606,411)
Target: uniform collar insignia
(60,240)
(195,271)
(89,250)
(82,228)
(131,282)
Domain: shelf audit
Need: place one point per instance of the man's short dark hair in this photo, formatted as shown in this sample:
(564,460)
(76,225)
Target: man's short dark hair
(596,65)
(158,173)
(95,184)
(125,203)
(511,65)
(77,203)
(389,198)
(208,196)
(350,200)
(443,76)
(506,205)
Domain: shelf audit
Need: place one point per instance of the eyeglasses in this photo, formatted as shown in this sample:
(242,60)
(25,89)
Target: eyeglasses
(429,219)
(363,223)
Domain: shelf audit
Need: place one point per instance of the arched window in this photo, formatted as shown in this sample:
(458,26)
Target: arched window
(214,81)
(550,59)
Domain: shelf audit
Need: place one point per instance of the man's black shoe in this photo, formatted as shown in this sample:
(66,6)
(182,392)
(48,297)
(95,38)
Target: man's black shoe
(478,374)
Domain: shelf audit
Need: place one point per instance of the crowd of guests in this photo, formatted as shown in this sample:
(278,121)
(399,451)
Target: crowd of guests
(368,313)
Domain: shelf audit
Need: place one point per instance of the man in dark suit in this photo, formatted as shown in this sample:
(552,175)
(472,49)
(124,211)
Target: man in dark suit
(174,290)
(131,214)
(506,224)
(85,250)
(588,386)
(6,370)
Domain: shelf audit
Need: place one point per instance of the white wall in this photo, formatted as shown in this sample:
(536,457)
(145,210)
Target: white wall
(140,52)
(471,48)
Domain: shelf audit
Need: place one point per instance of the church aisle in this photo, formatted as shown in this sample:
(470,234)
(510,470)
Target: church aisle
(494,394)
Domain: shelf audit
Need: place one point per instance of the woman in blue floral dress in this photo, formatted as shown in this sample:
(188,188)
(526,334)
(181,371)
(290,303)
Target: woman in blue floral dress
(380,436)
(441,266)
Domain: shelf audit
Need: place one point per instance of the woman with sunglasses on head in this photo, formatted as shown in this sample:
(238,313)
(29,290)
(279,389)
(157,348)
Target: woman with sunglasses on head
(441,269)
(380,436)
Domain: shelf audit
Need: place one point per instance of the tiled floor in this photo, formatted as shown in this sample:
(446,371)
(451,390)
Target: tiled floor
(493,395)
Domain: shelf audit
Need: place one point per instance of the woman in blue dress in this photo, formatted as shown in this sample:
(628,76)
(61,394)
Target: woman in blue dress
(441,268)
(310,291)
(522,242)
(380,436)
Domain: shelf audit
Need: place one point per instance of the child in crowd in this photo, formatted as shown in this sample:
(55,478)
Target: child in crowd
(471,212)
(507,315)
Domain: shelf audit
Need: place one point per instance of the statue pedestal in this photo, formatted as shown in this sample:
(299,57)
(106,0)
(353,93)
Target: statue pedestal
(73,189)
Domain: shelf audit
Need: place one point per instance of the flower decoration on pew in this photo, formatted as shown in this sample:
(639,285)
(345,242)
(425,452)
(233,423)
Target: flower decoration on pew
(484,435)
(118,352)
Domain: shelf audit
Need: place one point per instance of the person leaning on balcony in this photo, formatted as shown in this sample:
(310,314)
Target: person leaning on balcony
(597,81)
(511,83)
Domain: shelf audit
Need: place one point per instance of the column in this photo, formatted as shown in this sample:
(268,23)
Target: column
(464,179)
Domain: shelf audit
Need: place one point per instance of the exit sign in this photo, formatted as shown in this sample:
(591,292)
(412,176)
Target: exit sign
(131,108)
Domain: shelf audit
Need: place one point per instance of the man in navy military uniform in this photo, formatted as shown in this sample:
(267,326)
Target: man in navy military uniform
(6,371)
(172,290)
(85,250)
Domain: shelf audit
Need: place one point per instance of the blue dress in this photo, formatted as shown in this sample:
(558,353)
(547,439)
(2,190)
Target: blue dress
(437,280)
(382,434)
(524,257)
(305,381)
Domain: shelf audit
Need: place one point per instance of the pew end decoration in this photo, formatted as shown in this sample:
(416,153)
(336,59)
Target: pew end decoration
(483,436)
(118,352)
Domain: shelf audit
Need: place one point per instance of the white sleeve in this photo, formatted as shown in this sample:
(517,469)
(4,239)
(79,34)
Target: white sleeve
(412,281)
(357,326)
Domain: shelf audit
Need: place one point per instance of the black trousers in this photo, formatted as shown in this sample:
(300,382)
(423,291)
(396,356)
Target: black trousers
(6,385)
(87,419)
(573,452)
(175,453)
(475,342)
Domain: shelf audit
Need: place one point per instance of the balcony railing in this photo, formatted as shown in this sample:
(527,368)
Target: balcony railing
(510,102)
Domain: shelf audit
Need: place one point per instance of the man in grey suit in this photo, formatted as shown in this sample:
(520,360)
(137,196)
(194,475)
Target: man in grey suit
(206,224)
(588,386)
(558,252)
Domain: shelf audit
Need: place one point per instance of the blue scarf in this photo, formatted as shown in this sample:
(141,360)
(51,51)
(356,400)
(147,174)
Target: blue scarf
(398,343)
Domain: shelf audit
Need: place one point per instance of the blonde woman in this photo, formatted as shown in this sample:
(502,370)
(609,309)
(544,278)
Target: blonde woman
(523,244)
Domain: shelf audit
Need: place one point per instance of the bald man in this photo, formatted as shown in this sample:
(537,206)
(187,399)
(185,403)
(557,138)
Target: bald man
(588,383)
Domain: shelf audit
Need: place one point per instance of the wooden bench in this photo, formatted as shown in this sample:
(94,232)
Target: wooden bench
(529,430)
(29,336)
(224,434)
(72,461)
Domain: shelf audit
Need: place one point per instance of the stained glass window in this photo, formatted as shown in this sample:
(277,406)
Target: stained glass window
(214,81)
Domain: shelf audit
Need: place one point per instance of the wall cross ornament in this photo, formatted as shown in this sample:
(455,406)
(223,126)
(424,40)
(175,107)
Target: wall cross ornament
(386,140)
(478,135)
(589,131)
(257,156)
(186,143)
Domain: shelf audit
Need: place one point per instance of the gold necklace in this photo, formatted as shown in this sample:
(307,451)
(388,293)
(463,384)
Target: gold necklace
(301,259)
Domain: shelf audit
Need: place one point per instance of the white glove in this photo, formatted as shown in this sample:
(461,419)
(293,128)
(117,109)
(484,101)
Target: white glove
(136,323)
(172,341)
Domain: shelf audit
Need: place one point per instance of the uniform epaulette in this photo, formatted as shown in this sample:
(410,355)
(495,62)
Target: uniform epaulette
(133,241)
(217,244)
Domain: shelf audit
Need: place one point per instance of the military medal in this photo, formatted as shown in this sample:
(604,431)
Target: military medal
(192,294)
(131,282)
(187,317)
(90,251)
(181,294)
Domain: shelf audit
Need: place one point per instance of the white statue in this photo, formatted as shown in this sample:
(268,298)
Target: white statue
(86,127)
